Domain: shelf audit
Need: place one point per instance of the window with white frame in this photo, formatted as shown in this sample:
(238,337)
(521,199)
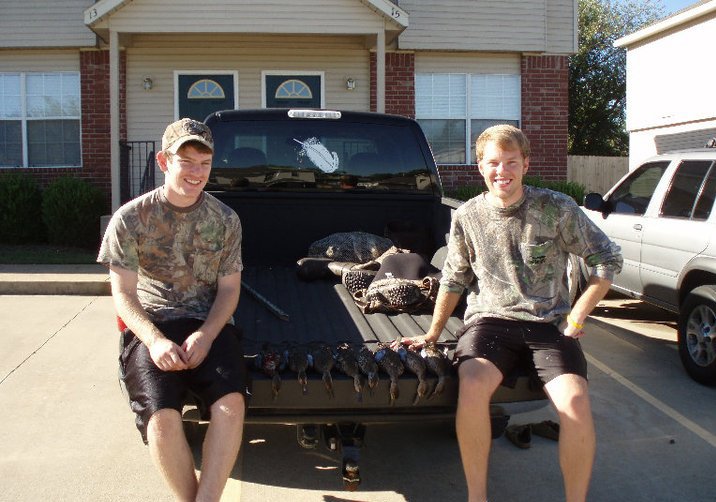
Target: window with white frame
(40,119)
(454,108)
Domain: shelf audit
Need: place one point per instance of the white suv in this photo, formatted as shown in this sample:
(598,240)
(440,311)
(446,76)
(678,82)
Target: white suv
(662,215)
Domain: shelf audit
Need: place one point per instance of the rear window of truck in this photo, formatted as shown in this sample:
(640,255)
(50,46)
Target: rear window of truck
(317,155)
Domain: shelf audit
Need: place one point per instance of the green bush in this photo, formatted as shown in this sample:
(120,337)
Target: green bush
(574,190)
(71,210)
(20,210)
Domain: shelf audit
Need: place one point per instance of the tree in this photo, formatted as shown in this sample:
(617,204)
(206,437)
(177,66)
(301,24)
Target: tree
(597,74)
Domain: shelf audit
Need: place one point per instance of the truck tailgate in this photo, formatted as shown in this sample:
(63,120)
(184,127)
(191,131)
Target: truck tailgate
(324,311)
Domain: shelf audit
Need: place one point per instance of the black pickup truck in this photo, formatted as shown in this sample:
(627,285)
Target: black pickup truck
(295,177)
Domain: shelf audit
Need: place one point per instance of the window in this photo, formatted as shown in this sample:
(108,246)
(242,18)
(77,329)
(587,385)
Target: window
(634,194)
(40,119)
(317,155)
(705,202)
(293,88)
(687,184)
(454,108)
(205,89)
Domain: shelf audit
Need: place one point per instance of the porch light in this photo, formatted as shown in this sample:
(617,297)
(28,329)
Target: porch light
(147,83)
(350,83)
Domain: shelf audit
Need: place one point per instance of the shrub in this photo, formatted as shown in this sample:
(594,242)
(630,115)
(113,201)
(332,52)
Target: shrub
(465,192)
(574,190)
(71,210)
(20,210)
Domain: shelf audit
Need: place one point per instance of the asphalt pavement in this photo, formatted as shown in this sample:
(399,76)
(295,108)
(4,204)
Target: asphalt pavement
(68,434)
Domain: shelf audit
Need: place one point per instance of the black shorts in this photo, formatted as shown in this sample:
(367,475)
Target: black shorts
(151,389)
(511,344)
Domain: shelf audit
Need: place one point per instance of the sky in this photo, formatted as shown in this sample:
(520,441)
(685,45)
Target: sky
(671,6)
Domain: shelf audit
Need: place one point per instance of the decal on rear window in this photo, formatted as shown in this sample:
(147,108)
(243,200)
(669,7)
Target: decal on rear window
(318,154)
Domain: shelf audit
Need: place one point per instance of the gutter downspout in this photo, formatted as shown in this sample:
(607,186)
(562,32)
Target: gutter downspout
(114,117)
(380,71)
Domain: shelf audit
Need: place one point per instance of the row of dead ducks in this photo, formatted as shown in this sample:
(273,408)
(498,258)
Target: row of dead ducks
(358,362)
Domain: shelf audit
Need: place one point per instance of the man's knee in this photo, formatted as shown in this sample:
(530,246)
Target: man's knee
(570,394)
(479,377)
(164,423)
(231,406)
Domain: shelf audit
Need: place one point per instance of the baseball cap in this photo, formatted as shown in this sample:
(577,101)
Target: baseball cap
(181,131)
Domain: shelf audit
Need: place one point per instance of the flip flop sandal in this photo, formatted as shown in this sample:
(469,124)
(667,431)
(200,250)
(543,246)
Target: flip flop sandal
(519,435)
(547,429)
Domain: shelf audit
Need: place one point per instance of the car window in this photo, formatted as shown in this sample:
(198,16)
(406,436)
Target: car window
(632,196)
(317,156)
(686,185)
(705,202)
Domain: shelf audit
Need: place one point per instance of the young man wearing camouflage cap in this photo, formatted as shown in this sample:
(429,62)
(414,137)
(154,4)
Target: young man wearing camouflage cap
(174,256)
(508,248)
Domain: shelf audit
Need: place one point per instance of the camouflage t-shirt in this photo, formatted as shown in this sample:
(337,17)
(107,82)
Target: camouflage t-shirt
(513,260)
(178,253)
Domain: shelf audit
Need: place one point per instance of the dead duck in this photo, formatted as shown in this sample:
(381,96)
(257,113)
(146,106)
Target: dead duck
(389,361)
(298,362)
(271,362)
(367,365)
(437,364)
(323,362)
(416,365)
(347,361)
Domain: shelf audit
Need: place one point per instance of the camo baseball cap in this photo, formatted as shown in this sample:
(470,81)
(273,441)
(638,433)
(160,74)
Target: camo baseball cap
(181,131)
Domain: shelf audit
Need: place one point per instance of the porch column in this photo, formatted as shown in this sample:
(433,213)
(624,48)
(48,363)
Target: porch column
(114,116)
(380,71)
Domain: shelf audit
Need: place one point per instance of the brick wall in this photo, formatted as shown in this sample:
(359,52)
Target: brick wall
(95,118)
(459,175)
(399,83)
(95,124)
(545,113)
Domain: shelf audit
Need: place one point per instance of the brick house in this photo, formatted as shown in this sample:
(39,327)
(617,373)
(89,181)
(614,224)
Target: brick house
(85,84)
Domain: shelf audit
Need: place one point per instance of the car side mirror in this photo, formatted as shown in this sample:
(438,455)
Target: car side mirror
(595,202)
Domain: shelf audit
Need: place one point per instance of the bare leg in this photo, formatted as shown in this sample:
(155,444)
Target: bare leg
(221,446)
(171,453)
(478,380)
(577,439)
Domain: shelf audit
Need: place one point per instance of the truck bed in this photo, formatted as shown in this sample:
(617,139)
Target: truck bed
(323,310)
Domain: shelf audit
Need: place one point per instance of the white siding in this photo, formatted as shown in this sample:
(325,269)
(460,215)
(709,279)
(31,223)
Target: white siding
(44,23)
(452,62)
(561,27)
(148,112)
(246,16)
(39,60)
(648,142)
(670,80)
(490,25)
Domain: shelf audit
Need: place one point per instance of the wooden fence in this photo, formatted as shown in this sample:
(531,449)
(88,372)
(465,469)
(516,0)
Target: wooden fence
(598,174)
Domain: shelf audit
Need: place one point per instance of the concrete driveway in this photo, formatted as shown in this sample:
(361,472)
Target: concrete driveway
(69,435)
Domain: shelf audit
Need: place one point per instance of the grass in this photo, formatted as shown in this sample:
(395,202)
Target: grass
(45,254)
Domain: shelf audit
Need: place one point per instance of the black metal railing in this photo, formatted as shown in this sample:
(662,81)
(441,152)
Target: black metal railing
(137,166)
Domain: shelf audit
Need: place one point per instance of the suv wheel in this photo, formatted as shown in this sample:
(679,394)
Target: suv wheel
(697,334)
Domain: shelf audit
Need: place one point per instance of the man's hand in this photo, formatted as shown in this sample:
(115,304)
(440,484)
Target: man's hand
(168,356)
(196,347)
(412,342)
(570,331)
